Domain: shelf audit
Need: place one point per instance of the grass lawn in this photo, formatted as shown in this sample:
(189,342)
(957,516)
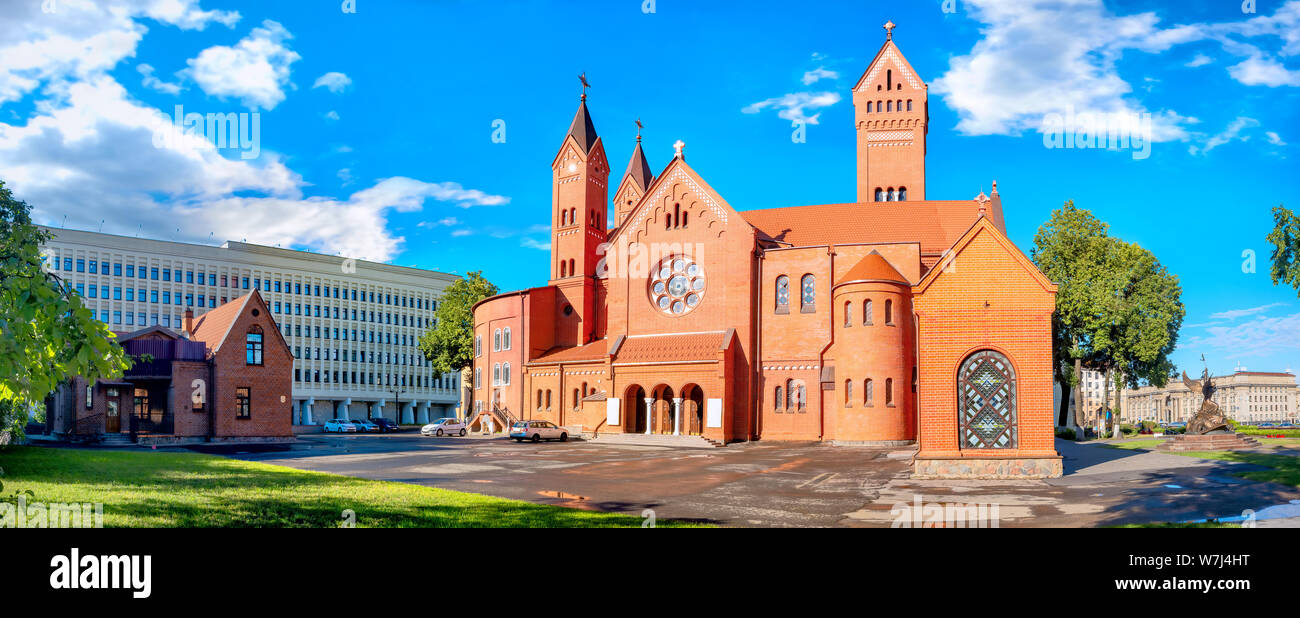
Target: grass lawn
(150,489)
(1284,469)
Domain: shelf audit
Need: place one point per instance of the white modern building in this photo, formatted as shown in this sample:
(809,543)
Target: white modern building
(1247,397)
(354,326)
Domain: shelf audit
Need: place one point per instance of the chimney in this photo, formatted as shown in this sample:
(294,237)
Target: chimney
(189,322)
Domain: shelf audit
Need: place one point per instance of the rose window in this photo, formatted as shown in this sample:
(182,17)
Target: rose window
(677,285)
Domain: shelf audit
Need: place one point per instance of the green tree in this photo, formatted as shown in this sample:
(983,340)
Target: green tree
(1070,249)
(46,335)
(449,345)
(1285,239)
(1143,316)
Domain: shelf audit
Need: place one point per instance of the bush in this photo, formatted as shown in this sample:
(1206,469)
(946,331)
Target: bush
(1066,433)
(1128,430)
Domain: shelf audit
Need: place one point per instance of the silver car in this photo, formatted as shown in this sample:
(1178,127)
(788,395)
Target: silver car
(538,431)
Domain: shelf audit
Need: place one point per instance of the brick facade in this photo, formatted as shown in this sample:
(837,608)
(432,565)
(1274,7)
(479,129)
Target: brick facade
(841,322)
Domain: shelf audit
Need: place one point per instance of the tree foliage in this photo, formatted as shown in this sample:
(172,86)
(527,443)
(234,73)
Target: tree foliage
(449,345)
(1117,308)
(46,335)
(1285,239)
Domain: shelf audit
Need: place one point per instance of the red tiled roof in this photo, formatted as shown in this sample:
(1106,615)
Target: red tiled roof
(934,224)
(874,267)
(211,327)
(671,348)
(596,350)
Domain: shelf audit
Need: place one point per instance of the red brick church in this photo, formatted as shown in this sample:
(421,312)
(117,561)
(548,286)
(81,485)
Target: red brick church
(892,320)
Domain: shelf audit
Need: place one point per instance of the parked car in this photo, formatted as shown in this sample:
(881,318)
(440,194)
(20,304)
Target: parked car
(365,425)
(335,425)
(1287,425)
(445,426)
(385,425)
(538,431)
(1267,425)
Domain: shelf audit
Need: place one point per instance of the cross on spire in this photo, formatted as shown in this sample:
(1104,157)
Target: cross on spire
(585,85)
(639,126)
(889,30)
(678,147)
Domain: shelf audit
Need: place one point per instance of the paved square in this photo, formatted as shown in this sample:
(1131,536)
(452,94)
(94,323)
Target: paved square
(788,484)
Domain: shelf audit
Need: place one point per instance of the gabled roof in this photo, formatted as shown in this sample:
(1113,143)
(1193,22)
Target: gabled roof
(672,348)
(934,224)
(889,53)
(874,267)
(162,330)
(212,327)
(596,350)
(677,170)
(582,130)
(638,168)
(982,225)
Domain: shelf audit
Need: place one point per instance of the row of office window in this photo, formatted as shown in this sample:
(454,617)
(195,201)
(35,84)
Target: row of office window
(362,378)
(119,269)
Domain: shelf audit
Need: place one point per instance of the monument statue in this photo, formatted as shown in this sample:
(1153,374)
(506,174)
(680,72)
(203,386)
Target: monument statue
(1210,418)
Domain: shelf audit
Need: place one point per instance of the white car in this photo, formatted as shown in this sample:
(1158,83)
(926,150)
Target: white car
(335,425)
(538,431)
(446,426)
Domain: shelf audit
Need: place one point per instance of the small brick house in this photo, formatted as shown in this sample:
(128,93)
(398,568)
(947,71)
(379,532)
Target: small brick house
(894,320)
(227,377)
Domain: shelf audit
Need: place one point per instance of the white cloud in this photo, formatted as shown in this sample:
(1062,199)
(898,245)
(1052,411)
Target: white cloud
(1041,57)
(445,221)
(819,73)
(1241,313)
(1257,71)
(529,243)
(86,150)
(1274,138)
(1199,61)
(151,82)
(255,70)
(332,115)
(1258,337)
(83,38)
(459,233)
(1234,131)
(333,81)
(794,106)
(345,175)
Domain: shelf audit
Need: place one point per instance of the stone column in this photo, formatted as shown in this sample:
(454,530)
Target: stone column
(649,414)
(378,409)
(407,416)
(677,416)
(306,411)
(344,408)
(422,417)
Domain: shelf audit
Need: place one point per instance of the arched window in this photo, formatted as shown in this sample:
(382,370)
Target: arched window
(577,399)
(900,105)
(889,391)
(909,105)
(539,399)
(252,346)
(478,377)
(564,218)
(779,400)
(505,339)
(867,387)
(783,294)
(548,399)
(686,217)
(869,104)
(848,314)
(505,374)
(572,271)
(866,313)
(478,346)
(496,340)
(889,313)
(573,215)
(880,194)
(986,401)
(889,79)
(802,398)
(564,269)
(889,106)
(902,194)
(496,374)
(848,392)
(808,294)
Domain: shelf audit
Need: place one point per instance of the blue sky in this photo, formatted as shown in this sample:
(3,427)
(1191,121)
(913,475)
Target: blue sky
(376,126)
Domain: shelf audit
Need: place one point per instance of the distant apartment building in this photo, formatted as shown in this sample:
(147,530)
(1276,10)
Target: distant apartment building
(1246,396)
(353,326)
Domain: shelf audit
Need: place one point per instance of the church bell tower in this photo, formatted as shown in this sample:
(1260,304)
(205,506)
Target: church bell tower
(892,116)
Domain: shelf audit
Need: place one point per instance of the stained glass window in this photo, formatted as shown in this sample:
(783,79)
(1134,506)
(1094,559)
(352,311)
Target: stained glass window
(677,285)
(986,391)
(782,292)
(808,287)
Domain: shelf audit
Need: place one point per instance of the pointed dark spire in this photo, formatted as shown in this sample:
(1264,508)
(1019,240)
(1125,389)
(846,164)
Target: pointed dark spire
(638,168)
(582,129)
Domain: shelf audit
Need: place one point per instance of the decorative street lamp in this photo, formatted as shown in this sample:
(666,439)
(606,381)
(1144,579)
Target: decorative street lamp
(397,400)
